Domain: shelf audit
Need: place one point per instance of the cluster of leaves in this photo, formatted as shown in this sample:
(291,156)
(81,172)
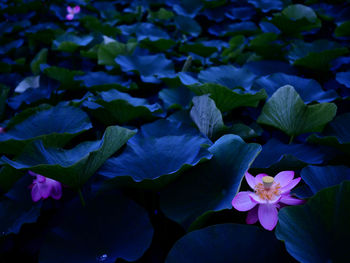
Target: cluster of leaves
(151,111)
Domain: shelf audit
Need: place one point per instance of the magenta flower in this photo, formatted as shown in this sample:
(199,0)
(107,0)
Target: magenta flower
(270,194)
(72,11)
(43,187)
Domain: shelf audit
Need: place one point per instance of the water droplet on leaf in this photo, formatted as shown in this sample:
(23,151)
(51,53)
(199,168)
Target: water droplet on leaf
(102,258)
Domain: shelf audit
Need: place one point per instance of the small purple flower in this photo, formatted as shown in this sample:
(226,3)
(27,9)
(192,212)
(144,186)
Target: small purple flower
(43,187)
(72,11)
(270,194)
(2,130)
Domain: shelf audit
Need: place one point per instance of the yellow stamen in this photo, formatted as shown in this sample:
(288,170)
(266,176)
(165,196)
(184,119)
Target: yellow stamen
(267,193)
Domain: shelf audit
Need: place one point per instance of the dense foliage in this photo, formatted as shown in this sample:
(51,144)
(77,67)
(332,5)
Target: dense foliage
(127,128)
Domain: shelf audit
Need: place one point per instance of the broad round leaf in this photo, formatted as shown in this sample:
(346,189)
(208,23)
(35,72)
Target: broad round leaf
(54,125)
(316,55)
(75,166)
(156,154)
(212,185)
(107,52)
(111,226)
(286,111)
(228,76)
(188,25)
(343,30)
(308,89)
(179,97)
(274,152)
(319,177)
(123,108)
(343,78)
(150,67)
(337,134)
(69,42)
(17,207)
(319,230)
(143,31)
(101,80)
(226,243)
(267,5)
(226,99)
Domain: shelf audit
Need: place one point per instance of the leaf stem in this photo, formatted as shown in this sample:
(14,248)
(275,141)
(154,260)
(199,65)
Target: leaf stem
(82,200)
(187,64)
(291,139)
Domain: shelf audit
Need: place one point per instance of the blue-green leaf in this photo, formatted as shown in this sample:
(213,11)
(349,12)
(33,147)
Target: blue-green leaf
(226,243)
(318,231)
(111,226)
(157,154)
(75,166)
(320,177)
(54,125)
(212,185)
(286,111)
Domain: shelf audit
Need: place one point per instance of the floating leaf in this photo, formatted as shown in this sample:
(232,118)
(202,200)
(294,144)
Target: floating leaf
(162,14)
(227,243)
(54,125)
(97,233)
(343,78)
(267,67)
(39,58)
(212,185)
(188,8)
(17,208)
(275,153)
(121,107)
(64,76)
(69,42)
(143,31)
(157,154)
(27,83)
(295,19)
(161,66)
(343,30)
(228,76)
(107,52)
(246,28)
(316,55)
(267,46)
(298,11)
(226,99)
(179,97)
(188,25)
(30,96)
(286,111)
(75,166)
(93,24)
(308,89)
(206,116)
(198,48)
(320,177)
(8,177)
(101,81)
(267,5)
(318,231)
(337,134)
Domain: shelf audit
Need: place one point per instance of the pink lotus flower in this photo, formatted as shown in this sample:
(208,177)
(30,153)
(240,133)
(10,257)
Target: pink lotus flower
(43,187)
(72,11)
(270,194)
